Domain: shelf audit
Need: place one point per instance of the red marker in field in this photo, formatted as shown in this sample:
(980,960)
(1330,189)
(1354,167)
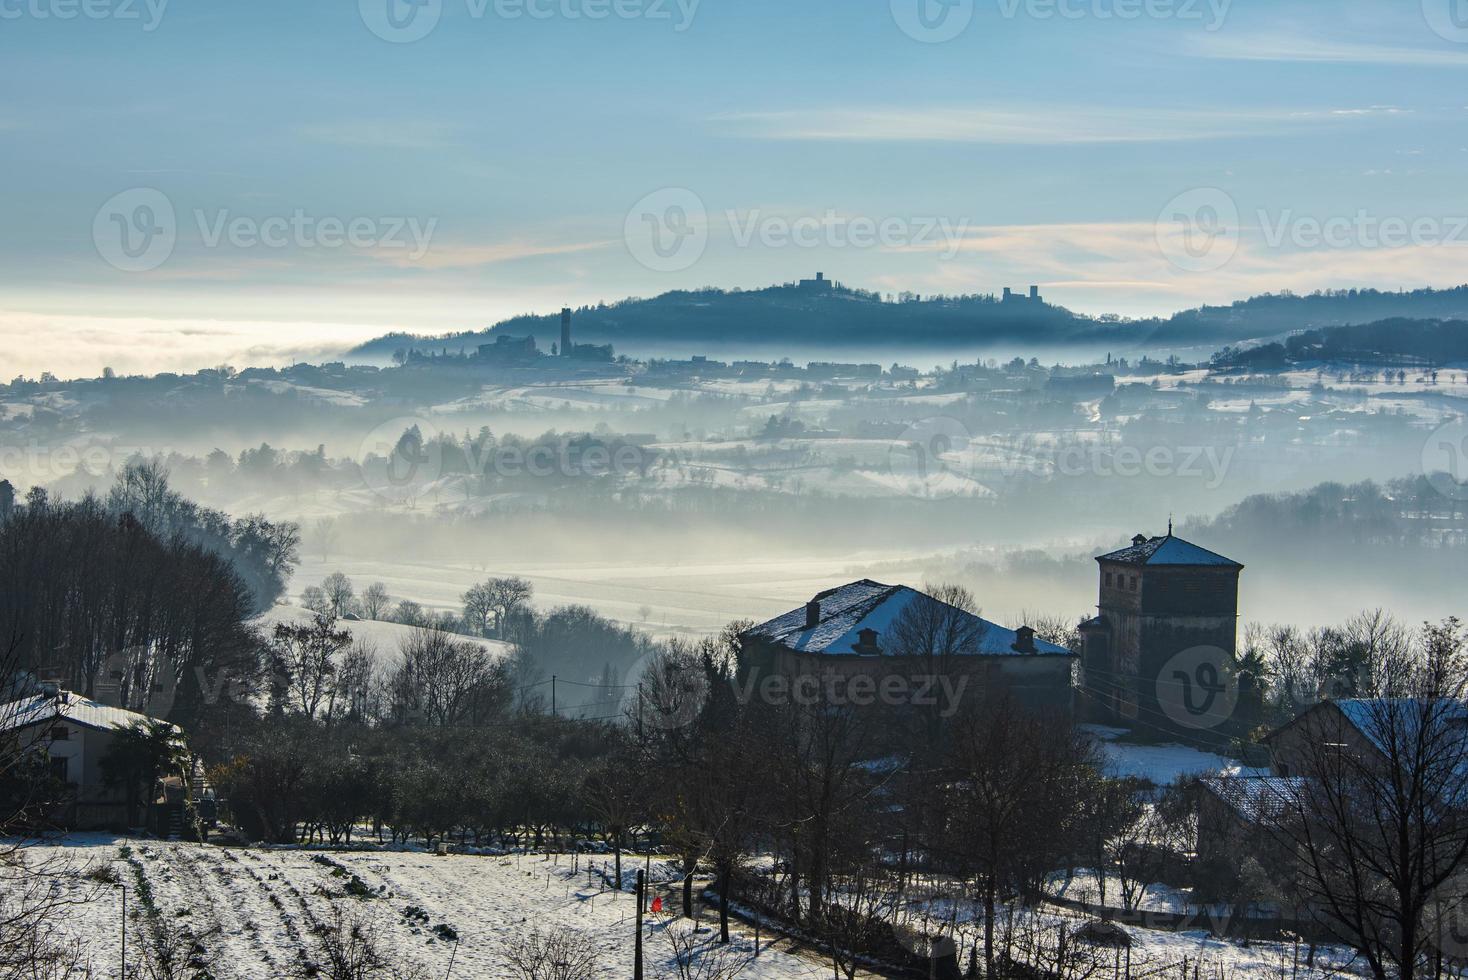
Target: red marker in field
(657,904)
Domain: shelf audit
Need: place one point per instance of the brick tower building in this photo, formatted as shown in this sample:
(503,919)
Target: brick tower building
(1166,605)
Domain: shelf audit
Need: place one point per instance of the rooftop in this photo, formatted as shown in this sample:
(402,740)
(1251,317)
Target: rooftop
(1255,798)
(67,706)
(1168,550)
(866,605)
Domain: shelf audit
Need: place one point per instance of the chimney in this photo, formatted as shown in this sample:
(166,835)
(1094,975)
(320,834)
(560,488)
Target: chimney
(1024,640)
(1140,539)
(1035,293)
(1008,294)
(812,613)
(566,332)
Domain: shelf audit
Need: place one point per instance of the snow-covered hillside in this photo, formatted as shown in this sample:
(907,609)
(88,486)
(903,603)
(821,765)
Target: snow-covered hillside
(386,639)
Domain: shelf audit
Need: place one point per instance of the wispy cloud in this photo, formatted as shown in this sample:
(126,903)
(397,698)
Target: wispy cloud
(1040,125)
(1107,265)
(461,256)
(1291,47)
(391,134)
(1372,110)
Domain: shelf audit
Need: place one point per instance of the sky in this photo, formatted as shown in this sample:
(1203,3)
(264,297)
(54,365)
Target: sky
(191,182)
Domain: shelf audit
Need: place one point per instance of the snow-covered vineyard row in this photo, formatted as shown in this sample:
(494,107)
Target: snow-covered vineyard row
(260,913)
(257,913)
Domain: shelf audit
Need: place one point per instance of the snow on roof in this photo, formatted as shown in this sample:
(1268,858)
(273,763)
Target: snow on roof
(868,605)
(1169,550)
(1255,798)
(70,707)
(1379,719)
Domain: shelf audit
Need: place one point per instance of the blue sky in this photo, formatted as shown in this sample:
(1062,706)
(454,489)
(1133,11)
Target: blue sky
(490,166)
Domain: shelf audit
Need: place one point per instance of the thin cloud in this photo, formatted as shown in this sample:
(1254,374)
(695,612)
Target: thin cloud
(1234,47)
(1019,126)
(475,256)
(389,134)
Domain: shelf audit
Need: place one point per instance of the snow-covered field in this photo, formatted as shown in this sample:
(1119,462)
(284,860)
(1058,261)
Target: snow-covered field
(697,596)
(1163,765)
(257,912)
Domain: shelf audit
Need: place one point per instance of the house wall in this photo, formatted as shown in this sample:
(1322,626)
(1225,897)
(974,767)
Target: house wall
(1293,747)
(1036,682)
(96,807)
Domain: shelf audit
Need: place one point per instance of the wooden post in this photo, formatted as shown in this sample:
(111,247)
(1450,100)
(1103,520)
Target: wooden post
(637,948)
(124,930)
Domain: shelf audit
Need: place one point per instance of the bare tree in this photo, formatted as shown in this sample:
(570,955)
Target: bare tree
(348,951)
(375,601)
(1018,781)
(506,596)
(306,656)
(941,622)
(409,613)
(1374,815)
(939,625)
(698,958)
(1063,631)
(352,692)
(561,954)
(339,593)
(443,680)
(326,535)
(479,607)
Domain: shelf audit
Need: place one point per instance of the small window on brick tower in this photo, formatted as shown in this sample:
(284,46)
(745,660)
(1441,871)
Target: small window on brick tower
(1108,580)
(1134,583)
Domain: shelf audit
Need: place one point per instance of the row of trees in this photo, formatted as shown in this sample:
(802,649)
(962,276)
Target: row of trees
(490,608)
(99,597)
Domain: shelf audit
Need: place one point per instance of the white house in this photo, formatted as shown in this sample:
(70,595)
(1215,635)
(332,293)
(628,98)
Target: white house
(74,733)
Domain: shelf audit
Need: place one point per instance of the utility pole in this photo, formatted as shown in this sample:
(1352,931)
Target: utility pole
(553,695)
(637,948)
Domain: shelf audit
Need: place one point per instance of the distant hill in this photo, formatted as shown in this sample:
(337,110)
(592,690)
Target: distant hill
(842,317)
(1397,341)
(1274,314)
